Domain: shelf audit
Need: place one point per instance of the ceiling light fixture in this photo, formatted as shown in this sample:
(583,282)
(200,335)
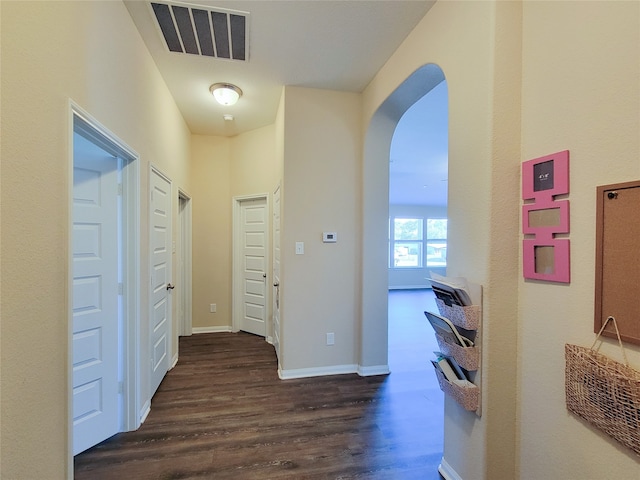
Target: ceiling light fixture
(225,93)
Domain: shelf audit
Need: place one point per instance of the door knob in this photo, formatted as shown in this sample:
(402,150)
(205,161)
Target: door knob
(170,287)
(276,284)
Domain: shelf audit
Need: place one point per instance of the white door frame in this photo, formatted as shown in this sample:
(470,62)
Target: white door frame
(236,269)
(276,339)
(185,263)
(153,169)
(129,338)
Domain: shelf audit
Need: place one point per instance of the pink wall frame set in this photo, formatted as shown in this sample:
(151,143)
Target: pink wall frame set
(546,257)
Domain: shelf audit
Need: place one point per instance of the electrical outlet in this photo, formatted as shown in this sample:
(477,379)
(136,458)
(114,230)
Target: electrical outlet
(331,338)
(213,308)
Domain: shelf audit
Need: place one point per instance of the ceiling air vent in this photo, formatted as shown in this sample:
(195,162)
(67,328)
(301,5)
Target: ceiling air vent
(198,31)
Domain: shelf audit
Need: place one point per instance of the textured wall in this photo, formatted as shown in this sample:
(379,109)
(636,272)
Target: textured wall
(581,92)
(53,52)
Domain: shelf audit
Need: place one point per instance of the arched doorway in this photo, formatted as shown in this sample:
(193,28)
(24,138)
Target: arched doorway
(375,275)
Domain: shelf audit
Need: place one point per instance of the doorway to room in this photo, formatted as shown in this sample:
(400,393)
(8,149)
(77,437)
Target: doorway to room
(103,285)
(418,181)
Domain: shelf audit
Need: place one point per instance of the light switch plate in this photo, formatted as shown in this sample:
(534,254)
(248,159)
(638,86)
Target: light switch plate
(299,248)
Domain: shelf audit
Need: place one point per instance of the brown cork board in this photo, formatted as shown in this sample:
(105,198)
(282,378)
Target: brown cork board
(617,291)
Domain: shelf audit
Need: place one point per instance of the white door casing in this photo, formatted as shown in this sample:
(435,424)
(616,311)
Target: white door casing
(276,272)
(88,136)
(250,265)
(184,261)
(160,264)
(95,295)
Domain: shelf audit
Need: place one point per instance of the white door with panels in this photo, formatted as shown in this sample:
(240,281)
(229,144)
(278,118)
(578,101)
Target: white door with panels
(160,265)
(95,314)
(253,236)
(276,271)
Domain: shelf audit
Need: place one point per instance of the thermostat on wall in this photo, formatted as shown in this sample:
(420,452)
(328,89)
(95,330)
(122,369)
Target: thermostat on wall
(329,237)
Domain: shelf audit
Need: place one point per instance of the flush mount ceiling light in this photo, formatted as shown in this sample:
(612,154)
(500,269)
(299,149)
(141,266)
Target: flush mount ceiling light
(225,93)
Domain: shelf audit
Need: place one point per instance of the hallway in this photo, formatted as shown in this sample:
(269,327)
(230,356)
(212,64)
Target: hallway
(223,413)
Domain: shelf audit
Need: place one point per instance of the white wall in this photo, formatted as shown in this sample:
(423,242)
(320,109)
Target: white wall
(89,52)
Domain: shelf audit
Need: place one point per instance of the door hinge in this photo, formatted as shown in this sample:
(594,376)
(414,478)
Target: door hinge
(120,289)
(120,387)
(119,189)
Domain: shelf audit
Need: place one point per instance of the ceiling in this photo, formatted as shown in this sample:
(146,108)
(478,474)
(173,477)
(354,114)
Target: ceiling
(335,45)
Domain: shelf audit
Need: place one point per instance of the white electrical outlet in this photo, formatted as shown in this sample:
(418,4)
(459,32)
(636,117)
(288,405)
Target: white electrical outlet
(331,338)
(213,308)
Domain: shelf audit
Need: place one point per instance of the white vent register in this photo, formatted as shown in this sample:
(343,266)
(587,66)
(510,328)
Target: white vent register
(215,33)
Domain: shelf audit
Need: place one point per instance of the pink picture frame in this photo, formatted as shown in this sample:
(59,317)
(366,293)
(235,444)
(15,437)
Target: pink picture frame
(546,177)
(546,257)
(546,260)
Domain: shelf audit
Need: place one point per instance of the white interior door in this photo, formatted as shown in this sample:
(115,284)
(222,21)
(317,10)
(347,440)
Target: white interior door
(276,271)
(253,234)
(160,264)
(95,294)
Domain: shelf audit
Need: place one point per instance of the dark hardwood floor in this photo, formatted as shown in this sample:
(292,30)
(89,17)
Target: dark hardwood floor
(222,413)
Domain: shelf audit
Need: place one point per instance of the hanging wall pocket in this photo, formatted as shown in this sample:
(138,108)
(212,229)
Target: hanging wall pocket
(604,392)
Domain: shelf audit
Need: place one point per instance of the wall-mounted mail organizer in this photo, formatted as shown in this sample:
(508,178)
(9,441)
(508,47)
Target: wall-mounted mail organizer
(468,322)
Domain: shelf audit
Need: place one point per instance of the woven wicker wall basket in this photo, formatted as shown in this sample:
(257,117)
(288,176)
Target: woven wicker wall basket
(604,392)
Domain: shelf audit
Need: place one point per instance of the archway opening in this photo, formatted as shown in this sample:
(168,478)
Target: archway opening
(375,252)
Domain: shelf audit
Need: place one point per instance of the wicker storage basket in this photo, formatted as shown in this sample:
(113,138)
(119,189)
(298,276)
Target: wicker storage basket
(463,317)
(468,397)
(467,357)
(604,392)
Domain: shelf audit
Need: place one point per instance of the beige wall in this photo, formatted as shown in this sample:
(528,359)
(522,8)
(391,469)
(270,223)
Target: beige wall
(319,290)
(211,275)
(460,38)
(581,92)
(254,167)
(526,79)
(89,52)
(224,168)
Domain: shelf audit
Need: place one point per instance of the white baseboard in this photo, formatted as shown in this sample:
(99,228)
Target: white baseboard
(409,287)
(447,472)
(213,329)
(374,370)
(174,361)
(146,409)
(332,370)
(316,371)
